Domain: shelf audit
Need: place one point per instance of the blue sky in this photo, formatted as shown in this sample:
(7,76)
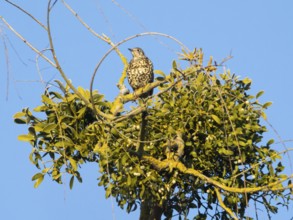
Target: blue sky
(259,34)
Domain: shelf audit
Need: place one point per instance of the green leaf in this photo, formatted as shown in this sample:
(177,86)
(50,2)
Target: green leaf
(266,105)
(39,181)
(32,131)
(174,65)
(259,94)
(71,182)
(46,170)
(47,100)
(271,141)
(83,92)
(56,175)
(160,73)
(73,163)
(19,114)
(226,152)
(217,119)
(246,81)
(20,121)
(49,127)
(25,137)
(40,108)
(37,176)
(109,191)
(78,177)
(63,144)
(128,180)
(81,112)
(263,115)
(193,154)
(160,78)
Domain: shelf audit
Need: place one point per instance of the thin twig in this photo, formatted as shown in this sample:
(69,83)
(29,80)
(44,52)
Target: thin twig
(58,66)
(38,67)
(7,67)
(28,43)
(101,37)
(27,13)
(82,22)
(136,20)
(107,21)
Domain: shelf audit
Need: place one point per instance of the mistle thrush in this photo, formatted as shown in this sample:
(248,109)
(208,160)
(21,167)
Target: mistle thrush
(140,71)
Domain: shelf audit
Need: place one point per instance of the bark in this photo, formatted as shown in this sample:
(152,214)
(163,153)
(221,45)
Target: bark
(149,211)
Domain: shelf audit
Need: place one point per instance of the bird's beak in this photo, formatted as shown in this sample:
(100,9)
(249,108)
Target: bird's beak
(130,49)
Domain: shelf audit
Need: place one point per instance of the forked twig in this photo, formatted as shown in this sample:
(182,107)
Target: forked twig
(27,13)
(58,66)
(28,43)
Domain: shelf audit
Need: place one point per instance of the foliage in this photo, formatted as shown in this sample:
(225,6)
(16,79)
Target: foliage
(203,145)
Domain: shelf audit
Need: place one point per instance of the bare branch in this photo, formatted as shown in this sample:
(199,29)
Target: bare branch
(7,66)
(27,13)
(101,37)
(58,66)
(27,43)
(83,23)
(135,19)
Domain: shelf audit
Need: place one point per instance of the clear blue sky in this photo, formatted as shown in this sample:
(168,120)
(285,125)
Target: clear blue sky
(259,34)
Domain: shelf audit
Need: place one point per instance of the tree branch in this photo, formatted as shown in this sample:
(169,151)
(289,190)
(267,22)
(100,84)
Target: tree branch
(58,66)
(229,211)
(28,43)
(27,13)
(160,165)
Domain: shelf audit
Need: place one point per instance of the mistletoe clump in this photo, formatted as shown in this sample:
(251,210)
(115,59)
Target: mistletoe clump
(201,146)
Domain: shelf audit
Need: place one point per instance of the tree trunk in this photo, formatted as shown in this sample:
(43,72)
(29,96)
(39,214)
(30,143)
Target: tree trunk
(149,211)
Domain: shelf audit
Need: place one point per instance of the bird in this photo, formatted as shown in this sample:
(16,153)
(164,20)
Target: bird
(140,71)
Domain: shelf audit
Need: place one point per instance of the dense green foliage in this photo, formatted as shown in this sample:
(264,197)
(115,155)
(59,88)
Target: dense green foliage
(206,121)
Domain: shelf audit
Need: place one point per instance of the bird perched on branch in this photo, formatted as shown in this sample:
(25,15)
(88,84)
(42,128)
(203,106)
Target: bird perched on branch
(139,74)
(140,71)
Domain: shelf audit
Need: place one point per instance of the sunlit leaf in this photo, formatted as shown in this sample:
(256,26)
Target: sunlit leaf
(49,127)
(266,105)
(73,163)
(159,72)
(39,177)
(25,137)
(216,118)
(47,100)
